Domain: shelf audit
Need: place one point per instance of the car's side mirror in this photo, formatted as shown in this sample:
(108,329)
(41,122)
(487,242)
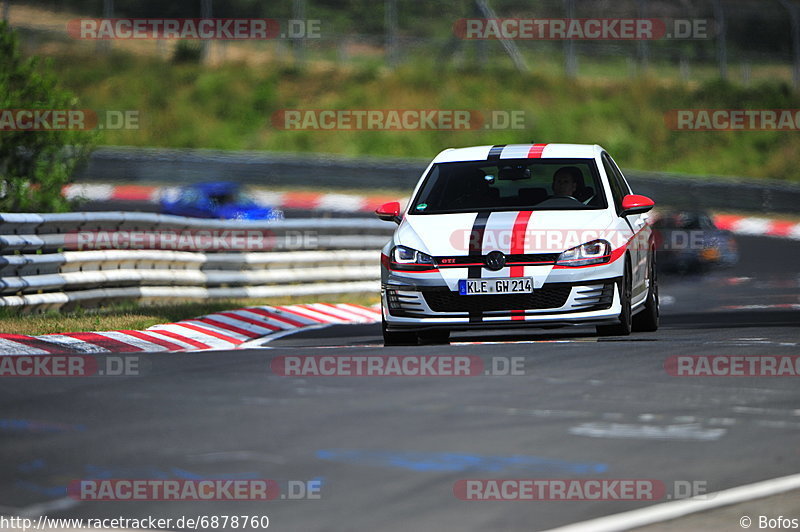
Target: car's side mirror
(389,212)
(636,204)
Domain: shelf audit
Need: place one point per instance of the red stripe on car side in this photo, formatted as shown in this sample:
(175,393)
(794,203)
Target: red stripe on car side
(615,254)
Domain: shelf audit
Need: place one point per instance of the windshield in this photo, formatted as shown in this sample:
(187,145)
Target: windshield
(510,184)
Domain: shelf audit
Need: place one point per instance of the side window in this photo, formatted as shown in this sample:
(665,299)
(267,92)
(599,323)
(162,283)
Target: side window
(623,183)
(428,189)
(614,182)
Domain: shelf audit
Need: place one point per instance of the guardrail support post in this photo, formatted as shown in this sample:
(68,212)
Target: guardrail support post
(570,60)
(104,45)
(794,18)
(390,19)
(205,12)
(722,46)
(642,46)
(299,43)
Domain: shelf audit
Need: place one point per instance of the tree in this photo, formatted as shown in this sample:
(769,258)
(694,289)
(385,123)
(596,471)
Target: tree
(34,165)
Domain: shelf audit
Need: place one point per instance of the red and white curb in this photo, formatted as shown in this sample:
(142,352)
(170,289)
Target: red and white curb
(285,200)
(222,330)
(747,225)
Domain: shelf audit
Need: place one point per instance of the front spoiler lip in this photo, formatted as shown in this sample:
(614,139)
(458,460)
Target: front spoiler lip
(461,326)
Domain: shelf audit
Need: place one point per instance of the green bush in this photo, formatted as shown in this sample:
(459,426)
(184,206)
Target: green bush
(35,165)
(187,52)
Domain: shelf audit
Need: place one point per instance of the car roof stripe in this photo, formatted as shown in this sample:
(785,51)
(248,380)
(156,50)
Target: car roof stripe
(536,151)
(495,152)
(516,151)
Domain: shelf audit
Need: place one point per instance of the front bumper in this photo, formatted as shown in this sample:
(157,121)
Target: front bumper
(420,307)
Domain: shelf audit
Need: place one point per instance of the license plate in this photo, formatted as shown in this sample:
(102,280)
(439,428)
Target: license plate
(514,285)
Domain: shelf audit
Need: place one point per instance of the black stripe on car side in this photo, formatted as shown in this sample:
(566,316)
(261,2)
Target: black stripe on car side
(495,151)
(476,248)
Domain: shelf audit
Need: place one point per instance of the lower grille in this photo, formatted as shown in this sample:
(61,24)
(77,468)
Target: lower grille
(549,296)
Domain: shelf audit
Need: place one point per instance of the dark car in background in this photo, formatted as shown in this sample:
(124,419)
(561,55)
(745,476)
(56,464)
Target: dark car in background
(690,241)
(219,199)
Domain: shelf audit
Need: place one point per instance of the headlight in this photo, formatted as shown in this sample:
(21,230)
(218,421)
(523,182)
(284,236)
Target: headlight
(405,255)
(594,252)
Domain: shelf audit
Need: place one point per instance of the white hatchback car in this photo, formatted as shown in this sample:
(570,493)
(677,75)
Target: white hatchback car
(540,235)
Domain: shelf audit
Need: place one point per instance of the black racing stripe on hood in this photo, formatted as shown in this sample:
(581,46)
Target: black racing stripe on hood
(475,248)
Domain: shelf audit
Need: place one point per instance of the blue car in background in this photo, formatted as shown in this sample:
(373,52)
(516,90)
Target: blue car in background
(220,199)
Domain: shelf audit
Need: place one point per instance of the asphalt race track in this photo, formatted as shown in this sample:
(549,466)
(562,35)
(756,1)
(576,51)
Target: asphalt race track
(387,451)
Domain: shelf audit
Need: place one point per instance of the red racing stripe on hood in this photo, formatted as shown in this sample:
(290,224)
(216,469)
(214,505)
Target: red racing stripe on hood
(518,247)
(518,240)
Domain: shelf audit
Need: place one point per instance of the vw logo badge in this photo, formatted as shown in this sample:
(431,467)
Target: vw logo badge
(495,260)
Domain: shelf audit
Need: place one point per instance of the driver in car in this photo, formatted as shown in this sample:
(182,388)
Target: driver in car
(565,181)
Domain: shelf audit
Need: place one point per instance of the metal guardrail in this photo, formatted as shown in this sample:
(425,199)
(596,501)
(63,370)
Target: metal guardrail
(48,232)
(154,165)
(765,196)
(38,269)
(59,223)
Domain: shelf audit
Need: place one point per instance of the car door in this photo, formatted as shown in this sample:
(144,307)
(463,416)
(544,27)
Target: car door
(633,223)
(640,246)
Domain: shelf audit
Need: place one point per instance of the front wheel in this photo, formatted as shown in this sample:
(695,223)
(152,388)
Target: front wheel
(623,327)
(647,319)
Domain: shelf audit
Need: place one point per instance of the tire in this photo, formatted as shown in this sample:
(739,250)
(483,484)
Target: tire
(623,327)
(647,319)
(397,337)
(434,336)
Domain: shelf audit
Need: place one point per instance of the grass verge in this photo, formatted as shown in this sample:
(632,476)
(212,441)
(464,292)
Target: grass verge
(133,316)
(232,106)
